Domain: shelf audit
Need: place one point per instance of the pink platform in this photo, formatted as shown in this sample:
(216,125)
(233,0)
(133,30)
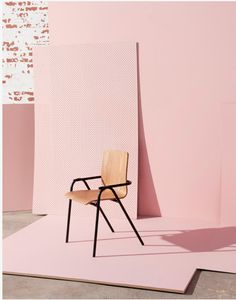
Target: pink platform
(174,249)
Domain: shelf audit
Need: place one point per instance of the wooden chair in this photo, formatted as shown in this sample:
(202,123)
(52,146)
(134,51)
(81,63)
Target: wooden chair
(114,188)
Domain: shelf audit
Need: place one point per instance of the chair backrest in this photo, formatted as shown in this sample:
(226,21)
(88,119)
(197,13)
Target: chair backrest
(114,169)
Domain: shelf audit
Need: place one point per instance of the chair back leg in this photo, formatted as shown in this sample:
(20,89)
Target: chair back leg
(131,223)
(106,219)
(104,216)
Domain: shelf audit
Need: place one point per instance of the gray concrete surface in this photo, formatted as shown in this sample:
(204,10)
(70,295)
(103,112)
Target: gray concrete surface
(205,284)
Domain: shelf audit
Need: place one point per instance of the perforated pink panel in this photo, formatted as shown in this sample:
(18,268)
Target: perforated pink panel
(86,102)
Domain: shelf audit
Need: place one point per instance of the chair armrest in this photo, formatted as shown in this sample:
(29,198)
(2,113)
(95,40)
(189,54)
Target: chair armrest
(86,178)
(103,187)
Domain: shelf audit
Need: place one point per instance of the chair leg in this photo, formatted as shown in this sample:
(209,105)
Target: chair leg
(96,228)
(106,219)
(131,223)
(68,221)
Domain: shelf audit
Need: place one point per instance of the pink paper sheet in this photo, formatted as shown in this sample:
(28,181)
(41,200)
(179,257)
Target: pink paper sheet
(86,102)
(174,249)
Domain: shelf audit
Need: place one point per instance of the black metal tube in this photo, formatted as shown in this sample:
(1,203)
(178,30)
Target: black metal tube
(68,221)
(104,216)
(86,184)
(131,223)
(69,214)
(87,178)
(106,219)
(96,226)
(103,187)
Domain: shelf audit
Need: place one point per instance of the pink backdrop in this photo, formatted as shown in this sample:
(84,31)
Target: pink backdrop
(187,68)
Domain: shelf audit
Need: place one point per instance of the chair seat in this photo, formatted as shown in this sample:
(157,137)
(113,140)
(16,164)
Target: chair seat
(89,196)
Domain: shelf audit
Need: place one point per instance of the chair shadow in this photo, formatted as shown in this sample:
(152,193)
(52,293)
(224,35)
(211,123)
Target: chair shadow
(198,240)
(190,241)
(203,240)
(116,238)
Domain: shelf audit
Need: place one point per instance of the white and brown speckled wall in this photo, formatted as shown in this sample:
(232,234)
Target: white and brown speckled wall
(25,24)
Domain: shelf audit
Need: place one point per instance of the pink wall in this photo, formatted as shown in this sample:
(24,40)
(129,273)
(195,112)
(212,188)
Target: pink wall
(187,68)
(228,189)
(18,156)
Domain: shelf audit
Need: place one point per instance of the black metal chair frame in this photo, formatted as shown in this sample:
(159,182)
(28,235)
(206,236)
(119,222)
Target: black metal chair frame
(99,209)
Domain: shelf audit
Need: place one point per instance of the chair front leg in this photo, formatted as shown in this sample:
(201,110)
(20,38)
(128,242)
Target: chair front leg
(68,221)
(69,213)
(96,226)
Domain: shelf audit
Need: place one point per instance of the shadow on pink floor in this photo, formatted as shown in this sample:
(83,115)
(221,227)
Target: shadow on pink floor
(204,240)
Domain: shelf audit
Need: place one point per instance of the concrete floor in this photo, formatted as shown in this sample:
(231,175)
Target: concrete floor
(205,284)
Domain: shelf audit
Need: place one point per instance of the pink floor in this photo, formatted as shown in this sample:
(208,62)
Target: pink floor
(174,249)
